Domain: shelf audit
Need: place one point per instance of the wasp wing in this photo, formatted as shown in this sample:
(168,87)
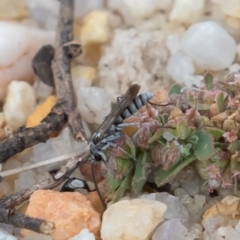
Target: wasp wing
(122,103)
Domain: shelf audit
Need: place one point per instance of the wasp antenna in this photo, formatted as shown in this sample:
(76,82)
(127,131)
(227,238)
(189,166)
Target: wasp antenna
(96,186)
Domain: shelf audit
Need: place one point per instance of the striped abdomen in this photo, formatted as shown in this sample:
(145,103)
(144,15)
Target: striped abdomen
(134,106)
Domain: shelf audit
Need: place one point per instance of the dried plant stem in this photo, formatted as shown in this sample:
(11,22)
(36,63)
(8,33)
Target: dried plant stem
(19,197)
(22,221)
(40,164)
(65,110)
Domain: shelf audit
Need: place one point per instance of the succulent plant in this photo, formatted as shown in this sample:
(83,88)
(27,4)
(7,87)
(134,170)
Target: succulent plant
(199,126)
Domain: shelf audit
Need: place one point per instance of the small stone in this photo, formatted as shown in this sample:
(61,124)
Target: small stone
(227,207)
(140,218)
(95,28)
(82,7)
(44,12)
(187,11)
(194,232)
(36,236)
(231,7)
(82,76)
(232,234)
(41,112)
(2,119)
(234,68)
(65,143)
(43,151)
(133,56)
(222,231)
(94,104)
(25,180)
(95,201)
(237,227)
(213,223)
(5,189)
(174,207)
(206,54)
(179,66)
(5,236)
(142,9)
(7,228)
(173,43)
(170,230)
(42,90)
(20,102)
(13,10)
(86,170)
(213,236)
(70,211)
(84,235)
(18,45)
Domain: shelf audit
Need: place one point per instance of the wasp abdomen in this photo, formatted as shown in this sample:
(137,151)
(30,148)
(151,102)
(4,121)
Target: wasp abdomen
(134,106)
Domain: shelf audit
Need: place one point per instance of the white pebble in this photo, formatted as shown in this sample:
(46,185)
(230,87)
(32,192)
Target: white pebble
(5,236)
(179,66)
(222,231)
(15,41)
(187,11)
(237,227)
(18,45)
(20,102)
(65,143)
(25,180)
(230,7)
(209,46)
(234,68)
(174,207)
(173,43)
(143,8)
(171,229)
(6,227)
(42,90)
(140,218)
(93,103)
(36,236)
(83,235)
(43,151)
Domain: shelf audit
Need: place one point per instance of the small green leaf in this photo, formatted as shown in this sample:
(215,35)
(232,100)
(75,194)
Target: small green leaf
(161,176)
(143,168)
(204,147)
(168,136)
(215,132)
(208,80)
(122,167)
(220,102)
(182,130)
(164,118)
(175,89)
(193,139)
(186,149)
(112,183)
(125,185)
(234,146)
(156,135)
(220,145)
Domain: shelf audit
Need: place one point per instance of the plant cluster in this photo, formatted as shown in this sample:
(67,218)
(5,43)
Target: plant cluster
(197,126)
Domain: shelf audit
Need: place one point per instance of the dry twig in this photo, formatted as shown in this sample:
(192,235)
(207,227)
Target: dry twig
(19,197)
(22,221)
(65,109)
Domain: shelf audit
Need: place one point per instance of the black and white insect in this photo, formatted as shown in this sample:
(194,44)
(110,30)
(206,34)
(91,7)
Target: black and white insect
(110,130)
